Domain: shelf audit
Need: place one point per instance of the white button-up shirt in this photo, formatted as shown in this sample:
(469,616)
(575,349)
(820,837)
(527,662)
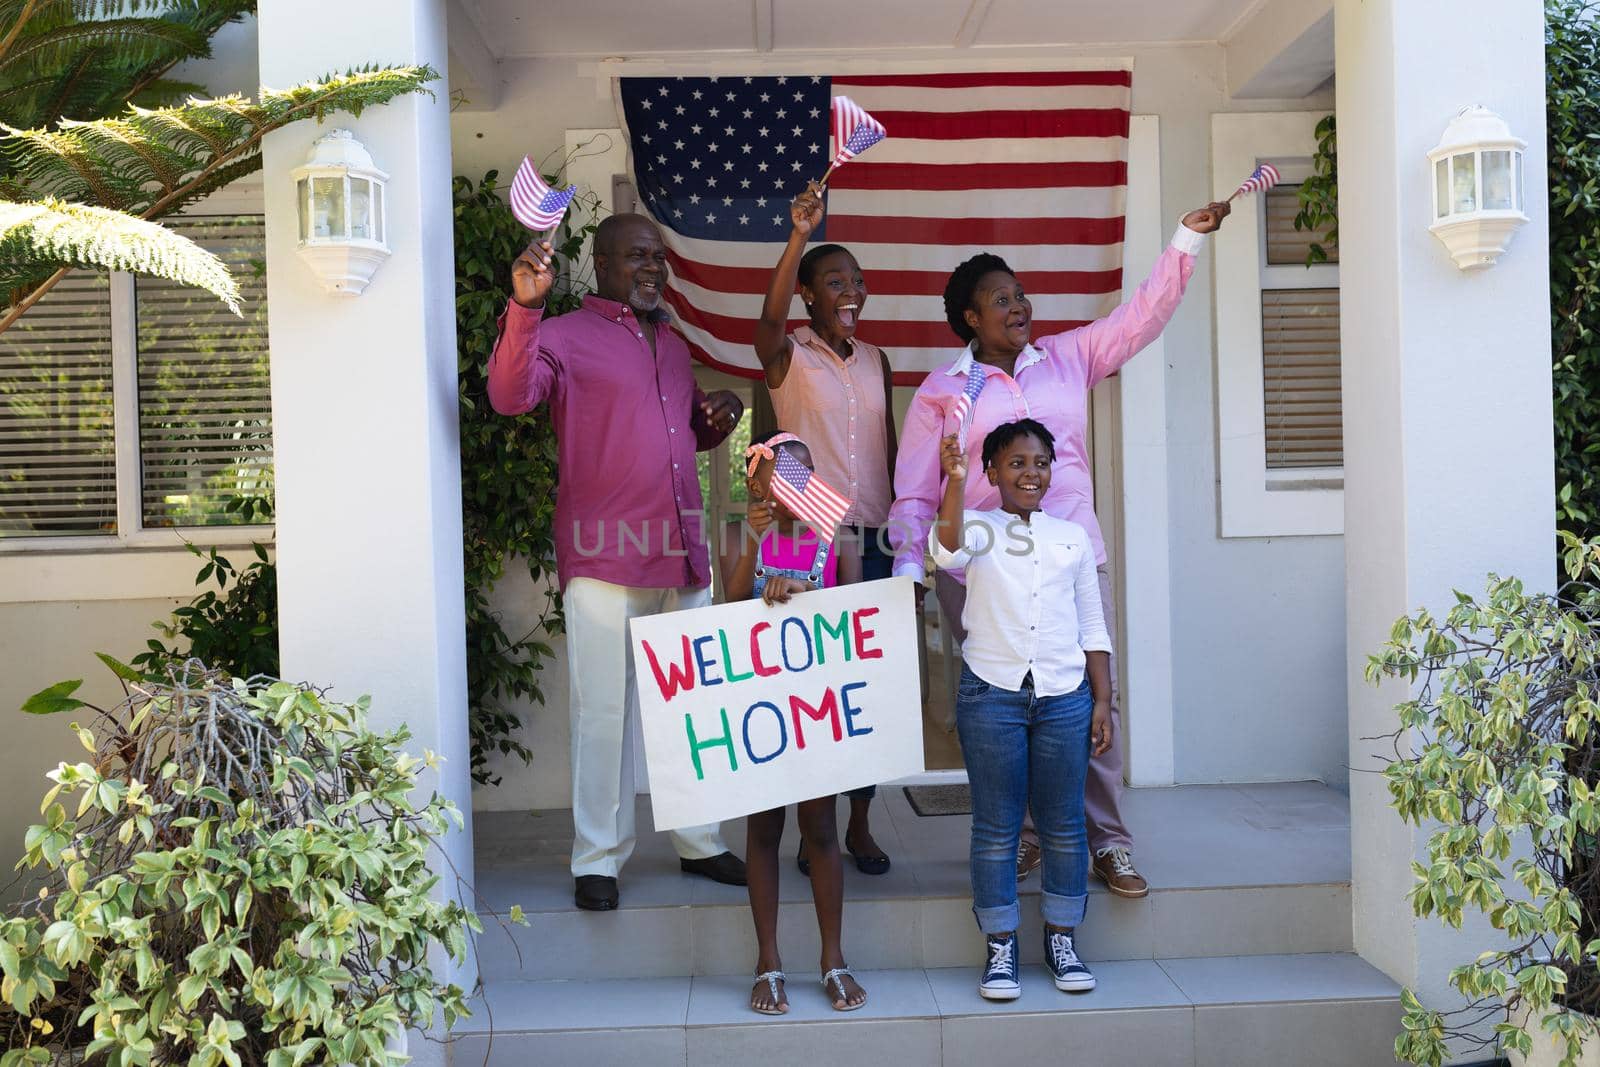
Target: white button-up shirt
(1033,599)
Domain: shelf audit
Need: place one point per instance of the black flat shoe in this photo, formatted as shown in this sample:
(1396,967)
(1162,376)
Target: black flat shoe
(870,864)
(725,868)
(867,864)
(595,892)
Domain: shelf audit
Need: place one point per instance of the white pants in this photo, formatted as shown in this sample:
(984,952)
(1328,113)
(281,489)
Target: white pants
(603,698)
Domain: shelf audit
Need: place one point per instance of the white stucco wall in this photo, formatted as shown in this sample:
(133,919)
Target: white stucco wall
(1258,624)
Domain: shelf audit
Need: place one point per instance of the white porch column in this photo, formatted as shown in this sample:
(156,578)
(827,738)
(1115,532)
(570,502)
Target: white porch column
(1447,395)
(364,402)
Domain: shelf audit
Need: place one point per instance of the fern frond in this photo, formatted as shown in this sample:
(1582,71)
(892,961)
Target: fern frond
(151,161)
(52,233)
(136,42)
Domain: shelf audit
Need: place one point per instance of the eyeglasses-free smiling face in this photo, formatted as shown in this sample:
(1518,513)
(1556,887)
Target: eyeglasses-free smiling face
(1021,471)
(1000,315)
(835,295)
(630,263)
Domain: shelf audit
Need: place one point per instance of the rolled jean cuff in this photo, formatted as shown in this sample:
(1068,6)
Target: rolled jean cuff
(868,791)
(1001,920)
(1061,911)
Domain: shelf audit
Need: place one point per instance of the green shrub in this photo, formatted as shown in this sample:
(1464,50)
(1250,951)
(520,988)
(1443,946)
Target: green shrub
(1498,750)
(508,486)
(1572,115)
(237,874)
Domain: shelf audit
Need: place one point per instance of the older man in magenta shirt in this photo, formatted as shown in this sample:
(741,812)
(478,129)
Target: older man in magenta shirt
(628,419)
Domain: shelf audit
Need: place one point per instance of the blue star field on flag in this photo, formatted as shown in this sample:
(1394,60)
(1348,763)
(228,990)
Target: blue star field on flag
(721,158)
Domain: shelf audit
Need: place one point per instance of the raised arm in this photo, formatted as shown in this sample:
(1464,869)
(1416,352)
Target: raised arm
(1107,343)
(953,464)
(521,374)
(773,346)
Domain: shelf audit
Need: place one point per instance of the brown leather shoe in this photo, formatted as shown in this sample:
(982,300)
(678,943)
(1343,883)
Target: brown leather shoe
(725,868)
(595,892)
(1114,867)
(1028,857)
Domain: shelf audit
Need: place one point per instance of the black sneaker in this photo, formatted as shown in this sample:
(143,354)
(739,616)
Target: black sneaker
(1065,967)
(999,981)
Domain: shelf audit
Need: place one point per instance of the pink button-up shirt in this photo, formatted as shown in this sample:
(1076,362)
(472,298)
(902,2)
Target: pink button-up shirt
(1052,383)
(628,424)
(839,408)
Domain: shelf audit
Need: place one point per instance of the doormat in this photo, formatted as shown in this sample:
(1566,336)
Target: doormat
(929,800)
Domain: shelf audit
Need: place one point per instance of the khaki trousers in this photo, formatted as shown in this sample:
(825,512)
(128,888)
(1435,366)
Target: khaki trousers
(603,698)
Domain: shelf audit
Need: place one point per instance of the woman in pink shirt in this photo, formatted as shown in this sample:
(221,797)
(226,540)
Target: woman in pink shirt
(835,391)
(1013,376)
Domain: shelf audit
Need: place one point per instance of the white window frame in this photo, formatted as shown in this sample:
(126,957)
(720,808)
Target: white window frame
(240,198)
(1255,502)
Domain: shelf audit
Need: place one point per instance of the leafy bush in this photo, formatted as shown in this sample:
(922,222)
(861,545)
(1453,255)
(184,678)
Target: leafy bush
(1499,750)
(1572,40)
(1319,194)
(508,470)
(243,879)
(233,630)
(508,486)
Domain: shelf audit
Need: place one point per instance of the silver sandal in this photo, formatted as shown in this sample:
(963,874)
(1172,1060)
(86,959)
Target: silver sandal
(772,978)
(837,977)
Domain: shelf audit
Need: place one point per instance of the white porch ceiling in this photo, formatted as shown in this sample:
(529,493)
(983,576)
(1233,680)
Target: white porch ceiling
(525,28)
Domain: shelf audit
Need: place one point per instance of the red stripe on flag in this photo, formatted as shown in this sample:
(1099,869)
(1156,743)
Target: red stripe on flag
(863,174)
(937,231)
(964,125)
(970,81)
(754,280)
(741,331)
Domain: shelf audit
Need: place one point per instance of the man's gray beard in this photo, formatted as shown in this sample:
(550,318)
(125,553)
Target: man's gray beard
(645,303)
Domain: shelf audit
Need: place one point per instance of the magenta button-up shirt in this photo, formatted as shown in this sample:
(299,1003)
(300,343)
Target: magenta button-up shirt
(1052,383)
(628,424)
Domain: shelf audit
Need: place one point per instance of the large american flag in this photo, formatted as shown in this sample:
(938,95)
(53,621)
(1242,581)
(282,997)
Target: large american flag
(1029,165)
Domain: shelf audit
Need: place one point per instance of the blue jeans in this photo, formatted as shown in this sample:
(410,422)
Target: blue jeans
(1025,751)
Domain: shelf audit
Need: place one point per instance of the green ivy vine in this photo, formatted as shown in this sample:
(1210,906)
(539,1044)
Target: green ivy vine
(1319,194)
(508,468)
(508,486)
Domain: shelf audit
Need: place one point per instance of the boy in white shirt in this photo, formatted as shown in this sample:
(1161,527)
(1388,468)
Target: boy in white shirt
(1035,693)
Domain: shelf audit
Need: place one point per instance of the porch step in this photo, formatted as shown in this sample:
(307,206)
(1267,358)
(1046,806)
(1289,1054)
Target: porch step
(1320,1010)
(1235,871)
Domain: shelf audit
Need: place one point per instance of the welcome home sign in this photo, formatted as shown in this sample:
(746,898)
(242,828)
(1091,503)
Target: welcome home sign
(746,707)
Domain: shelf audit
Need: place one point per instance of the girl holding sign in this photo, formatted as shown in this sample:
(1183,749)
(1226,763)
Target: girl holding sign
(835,390)
(779,558)
(1035,694)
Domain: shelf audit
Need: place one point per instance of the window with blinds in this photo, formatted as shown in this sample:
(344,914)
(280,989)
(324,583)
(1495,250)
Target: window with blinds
(1300,376)
(205,397)
(58,470)
(1299,344)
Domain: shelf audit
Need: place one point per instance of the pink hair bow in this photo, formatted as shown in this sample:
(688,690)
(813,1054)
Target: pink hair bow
(763,450)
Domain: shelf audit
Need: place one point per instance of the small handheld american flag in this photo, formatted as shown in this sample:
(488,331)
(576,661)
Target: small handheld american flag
(535,204)
(812,500)
(854,131)
(968,400)
(1264,177)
